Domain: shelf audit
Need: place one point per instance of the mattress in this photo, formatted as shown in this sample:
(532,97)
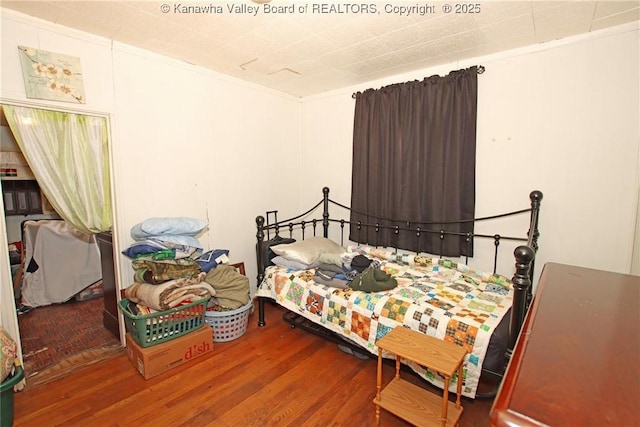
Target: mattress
(437,297)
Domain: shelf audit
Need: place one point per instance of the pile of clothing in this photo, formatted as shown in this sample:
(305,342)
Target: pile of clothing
(356,272)
(231,287)
(170,268)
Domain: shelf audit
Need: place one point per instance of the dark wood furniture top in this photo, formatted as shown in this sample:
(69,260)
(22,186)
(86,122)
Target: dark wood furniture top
(110,312)
(577,360)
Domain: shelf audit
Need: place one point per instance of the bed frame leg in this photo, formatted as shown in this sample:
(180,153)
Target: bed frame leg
(260,265)
(261,321)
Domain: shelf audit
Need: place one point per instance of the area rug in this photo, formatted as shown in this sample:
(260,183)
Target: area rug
(61,332)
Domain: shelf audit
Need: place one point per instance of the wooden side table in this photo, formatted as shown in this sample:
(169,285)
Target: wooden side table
(410,402)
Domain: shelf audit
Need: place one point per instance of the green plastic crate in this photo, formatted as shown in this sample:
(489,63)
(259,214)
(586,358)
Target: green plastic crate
(6,397)
(162,326)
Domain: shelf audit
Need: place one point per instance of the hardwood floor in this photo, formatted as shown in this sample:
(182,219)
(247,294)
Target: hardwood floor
(271,376)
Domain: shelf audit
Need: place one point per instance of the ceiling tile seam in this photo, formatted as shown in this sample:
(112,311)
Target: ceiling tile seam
(593,16)
(533,21)
(611,15)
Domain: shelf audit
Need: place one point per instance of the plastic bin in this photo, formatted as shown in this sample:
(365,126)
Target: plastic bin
(163,326)
(6,396)
(229,325)
(92,291)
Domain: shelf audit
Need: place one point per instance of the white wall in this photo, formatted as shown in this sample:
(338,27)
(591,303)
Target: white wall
(561,118)
(204,147)
(184,141)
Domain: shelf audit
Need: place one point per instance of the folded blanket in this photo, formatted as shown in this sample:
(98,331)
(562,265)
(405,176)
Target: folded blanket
(330,267)
(332,281)
(170,294)
(155,272)
(232,288)
(177,230)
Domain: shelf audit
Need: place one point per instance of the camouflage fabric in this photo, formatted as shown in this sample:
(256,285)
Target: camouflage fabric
(154,272)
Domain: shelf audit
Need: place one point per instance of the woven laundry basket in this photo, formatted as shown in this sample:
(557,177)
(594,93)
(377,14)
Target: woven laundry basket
(229,325)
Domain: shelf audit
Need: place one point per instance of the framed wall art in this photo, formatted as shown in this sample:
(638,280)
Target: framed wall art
(51,76)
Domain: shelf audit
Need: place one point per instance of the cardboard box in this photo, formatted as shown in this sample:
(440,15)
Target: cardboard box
(159,358)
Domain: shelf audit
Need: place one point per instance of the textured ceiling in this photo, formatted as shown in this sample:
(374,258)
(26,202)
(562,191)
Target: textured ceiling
(307,47)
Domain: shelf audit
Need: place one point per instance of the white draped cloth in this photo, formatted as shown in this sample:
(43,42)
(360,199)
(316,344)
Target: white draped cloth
(60,261)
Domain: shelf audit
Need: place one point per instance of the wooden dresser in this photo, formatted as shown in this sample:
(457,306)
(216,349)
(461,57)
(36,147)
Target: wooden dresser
(577,360)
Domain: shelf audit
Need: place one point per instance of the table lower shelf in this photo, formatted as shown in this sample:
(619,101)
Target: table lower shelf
(416,405)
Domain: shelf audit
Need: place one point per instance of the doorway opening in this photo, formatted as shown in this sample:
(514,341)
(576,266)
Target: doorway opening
(50,334)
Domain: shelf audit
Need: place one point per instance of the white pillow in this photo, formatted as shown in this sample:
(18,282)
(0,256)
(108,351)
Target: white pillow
(293,265)
(308,251)
(331,258)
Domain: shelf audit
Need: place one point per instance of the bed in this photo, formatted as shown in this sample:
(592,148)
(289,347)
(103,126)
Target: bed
(59,262)
(445,298)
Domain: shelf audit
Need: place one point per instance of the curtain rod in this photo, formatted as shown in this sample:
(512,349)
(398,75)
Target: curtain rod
(64,109)
(480,70)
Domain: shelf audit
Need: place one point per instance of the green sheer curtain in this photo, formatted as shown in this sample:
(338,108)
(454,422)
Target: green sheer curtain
(68,154)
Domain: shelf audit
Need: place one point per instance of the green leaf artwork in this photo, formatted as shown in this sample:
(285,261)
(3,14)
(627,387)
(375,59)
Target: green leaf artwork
(51,76)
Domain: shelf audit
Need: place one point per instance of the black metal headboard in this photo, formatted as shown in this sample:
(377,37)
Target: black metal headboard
(306,225)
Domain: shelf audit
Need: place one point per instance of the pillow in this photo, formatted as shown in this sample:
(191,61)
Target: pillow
(293,265)
(308,251)
(172,226)
(177,239)
(267,246)
(331,258)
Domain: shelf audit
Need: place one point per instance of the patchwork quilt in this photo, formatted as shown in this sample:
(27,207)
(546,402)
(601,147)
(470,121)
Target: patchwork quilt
(435,296)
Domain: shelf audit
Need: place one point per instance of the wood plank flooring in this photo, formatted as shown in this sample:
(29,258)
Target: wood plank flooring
(271,376)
